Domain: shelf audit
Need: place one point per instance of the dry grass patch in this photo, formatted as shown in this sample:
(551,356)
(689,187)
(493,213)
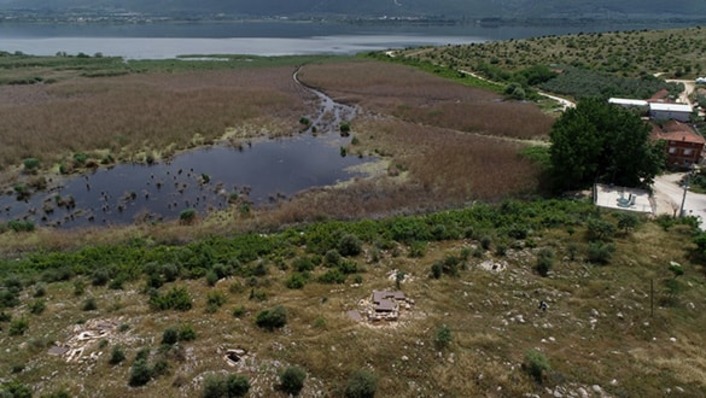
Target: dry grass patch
(127,114)
(420,97)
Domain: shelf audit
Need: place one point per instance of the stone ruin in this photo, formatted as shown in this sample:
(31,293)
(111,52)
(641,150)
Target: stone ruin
(383,306)
(235,356)
(83,338)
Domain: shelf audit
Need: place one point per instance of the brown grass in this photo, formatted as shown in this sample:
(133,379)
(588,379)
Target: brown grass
(419,97)
(133,112)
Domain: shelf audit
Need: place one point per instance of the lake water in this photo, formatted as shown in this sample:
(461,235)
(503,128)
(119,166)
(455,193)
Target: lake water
(167,40)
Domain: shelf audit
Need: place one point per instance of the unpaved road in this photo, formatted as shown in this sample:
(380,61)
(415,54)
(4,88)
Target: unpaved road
(668,197)
(689,87)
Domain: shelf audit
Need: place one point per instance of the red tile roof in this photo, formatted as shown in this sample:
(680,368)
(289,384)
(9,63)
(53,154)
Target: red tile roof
(676,131)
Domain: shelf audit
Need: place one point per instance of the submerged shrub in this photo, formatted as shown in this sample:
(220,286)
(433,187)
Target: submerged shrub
(187,216)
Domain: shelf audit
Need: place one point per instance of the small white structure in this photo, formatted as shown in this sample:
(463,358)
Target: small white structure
(701,80)
(665,111)
(630,103)
(621,198)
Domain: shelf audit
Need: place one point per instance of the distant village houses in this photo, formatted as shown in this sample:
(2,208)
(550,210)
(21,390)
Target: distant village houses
(670,123)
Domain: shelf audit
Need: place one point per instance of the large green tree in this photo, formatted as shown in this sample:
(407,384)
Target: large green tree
(600,142)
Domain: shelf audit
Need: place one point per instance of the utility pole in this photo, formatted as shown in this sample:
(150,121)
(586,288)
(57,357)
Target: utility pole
(692,170)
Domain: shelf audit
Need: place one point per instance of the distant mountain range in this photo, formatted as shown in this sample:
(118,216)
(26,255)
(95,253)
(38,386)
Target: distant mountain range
(379,8)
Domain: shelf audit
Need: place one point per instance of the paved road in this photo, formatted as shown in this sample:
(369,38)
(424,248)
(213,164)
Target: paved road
(668,196)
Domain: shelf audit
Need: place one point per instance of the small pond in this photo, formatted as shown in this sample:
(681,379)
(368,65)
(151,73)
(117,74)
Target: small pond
(206,179)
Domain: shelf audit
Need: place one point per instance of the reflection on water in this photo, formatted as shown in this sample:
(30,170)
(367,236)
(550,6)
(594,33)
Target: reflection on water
(205,180)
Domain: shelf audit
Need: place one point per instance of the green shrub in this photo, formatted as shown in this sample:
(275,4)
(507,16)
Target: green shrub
(485,242)
(237,386)
(187,216)
(417,249)
(18,327)
(220,386)
(160,368)
(332,258)
(187,333)
(177,298)
(361,384)
(333,276)
(170,272)
(5,317)
(117,355)
(303,264)
(291,381)
(214,300)
(40,291)
(448,266)
(9,298)
(627,222)
(600,252)
(170,336)
(501,249)
(100,277)
(599,229)
(274,318)
(31,164)
(349,245)
(58,394)
(536,365)
(345,129)
(545,261)
(37,307)
(443,337)
(89,304)
(140,373)
(296,281)
(211,278)
(239,311)
(80,158)
(436,270)
(21,225)
(15,389)
(79,288)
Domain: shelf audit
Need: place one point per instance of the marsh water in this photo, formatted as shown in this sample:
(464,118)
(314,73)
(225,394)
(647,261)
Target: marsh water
(207,179)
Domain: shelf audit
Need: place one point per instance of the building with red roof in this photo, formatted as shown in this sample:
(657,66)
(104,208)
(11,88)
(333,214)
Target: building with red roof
(683,144)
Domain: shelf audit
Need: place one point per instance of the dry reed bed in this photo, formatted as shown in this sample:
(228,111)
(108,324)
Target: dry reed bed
(445,169)
(419,97)
(133,112)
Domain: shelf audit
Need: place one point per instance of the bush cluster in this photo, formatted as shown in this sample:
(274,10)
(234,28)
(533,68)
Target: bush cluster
(271,319)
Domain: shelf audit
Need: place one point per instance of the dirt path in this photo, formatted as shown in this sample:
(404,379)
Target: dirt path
(565,104)
(668,198)
(689,87)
